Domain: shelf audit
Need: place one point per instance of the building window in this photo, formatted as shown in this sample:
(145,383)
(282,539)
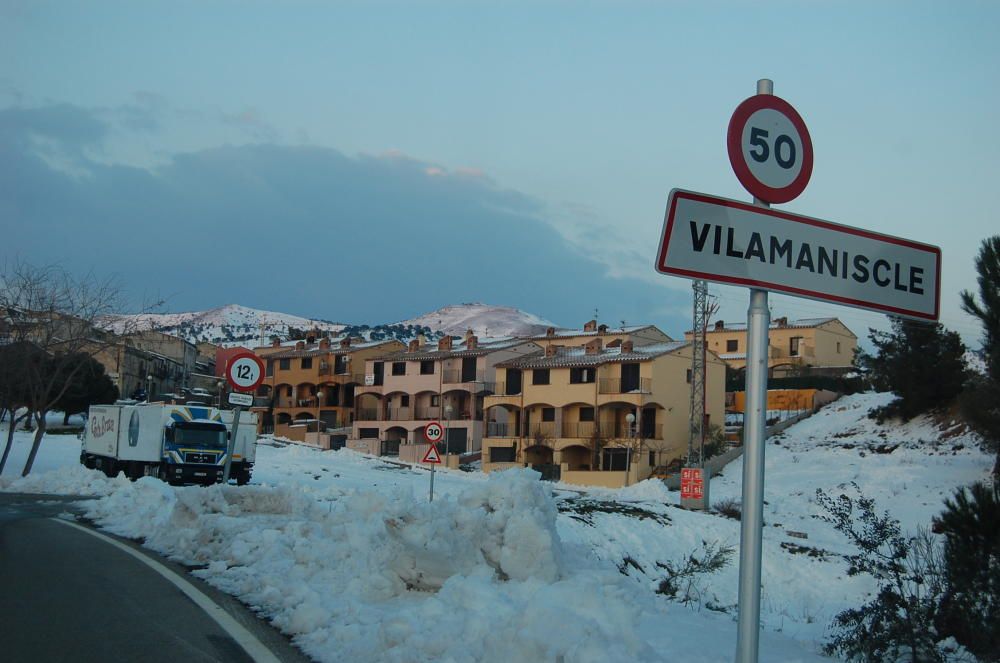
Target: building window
(652,458)
(581,375)
(540,376)
(548,414)
(404,400)
(586,414)
(435,400)
(838,347)
(307,362)
(399,368)
(284,364)
(502,455)
(793,345)
(289,392)
(688,375)
(427,367)
(270,368)
(732,345)
(368,433)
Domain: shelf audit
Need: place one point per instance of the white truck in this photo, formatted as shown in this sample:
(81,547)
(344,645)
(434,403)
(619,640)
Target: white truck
(177,443)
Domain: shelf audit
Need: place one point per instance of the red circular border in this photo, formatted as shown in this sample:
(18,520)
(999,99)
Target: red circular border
(233,360)
(439,426)
(734,138)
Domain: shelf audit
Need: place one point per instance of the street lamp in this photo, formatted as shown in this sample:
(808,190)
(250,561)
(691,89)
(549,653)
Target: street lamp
(447,424)
(630,419)
(149,388)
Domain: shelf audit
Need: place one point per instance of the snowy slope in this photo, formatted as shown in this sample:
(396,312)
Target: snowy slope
(482,319)
(225,323)
(344,553)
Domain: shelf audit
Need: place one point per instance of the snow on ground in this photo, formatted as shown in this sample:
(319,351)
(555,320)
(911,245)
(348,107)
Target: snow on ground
(343,551)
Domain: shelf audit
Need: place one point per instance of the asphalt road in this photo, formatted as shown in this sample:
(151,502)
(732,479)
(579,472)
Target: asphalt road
(66,595)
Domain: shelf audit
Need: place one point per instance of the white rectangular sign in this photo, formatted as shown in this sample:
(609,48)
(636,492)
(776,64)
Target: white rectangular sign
(728,241)
(369,380)
(243,400)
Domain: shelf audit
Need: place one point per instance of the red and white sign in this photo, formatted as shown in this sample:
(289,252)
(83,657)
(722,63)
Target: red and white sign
(245,371)
(732,242)
(692,483)
(770,148)
(432,455)
(433,432)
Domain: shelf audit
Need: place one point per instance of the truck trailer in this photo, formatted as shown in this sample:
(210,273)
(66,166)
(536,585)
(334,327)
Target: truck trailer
(177,443)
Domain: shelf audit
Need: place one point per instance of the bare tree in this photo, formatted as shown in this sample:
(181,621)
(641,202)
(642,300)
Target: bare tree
(53,318)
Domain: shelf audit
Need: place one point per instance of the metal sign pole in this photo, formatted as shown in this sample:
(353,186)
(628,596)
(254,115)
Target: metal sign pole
(433,465)
(231,445)
(752,520)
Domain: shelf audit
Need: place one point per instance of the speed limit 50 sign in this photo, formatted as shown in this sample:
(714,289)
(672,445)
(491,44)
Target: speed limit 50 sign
(769,148)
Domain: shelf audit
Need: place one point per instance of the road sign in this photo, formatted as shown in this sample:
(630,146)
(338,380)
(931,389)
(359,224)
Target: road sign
(433,432)
(723,240)
(432,455)
(241,399)
(770,148)
(245,371)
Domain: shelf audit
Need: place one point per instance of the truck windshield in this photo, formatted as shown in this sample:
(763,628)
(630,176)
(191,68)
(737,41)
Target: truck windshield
(200,436)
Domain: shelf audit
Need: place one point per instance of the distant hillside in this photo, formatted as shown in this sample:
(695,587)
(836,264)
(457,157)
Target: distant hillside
(228,325)
(482,319)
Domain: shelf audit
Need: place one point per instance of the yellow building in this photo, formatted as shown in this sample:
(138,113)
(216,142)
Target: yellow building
(824,345)
(315,380)
(594,414)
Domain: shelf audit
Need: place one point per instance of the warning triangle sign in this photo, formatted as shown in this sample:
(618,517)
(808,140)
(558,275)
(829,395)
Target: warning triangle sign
(432,455)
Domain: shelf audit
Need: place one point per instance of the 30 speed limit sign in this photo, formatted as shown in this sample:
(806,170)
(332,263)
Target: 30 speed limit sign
(245,371)
(433,432)
(769,148)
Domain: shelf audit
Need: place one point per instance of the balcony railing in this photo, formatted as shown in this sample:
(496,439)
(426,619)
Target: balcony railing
(397,414)
(545,429)
(501,389)
(457,376)
(578,429)
(368,414)
(428,412)
(620,386)
(497,429)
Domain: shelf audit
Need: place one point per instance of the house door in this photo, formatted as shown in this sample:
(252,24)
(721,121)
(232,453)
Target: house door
(457,440)
(630,378)
(648,423)
(469,369)
(379,373)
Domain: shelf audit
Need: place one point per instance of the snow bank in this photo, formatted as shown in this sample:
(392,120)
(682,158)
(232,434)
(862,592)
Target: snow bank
(376,576)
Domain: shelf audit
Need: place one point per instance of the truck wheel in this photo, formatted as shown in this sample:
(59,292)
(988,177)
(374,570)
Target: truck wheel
(110,468)
(242,478)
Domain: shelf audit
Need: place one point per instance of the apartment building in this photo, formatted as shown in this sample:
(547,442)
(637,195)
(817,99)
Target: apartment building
(824,345)
(638,334)
(601,414)
(314,380)
(446,381)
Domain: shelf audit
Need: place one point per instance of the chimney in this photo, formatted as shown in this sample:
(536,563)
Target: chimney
(421,340)
(627,347)
(299,345)
(468,333)
(602,329)
(590,326)
(551,331)
(324,343)
(594,347)
(552,350)
(444,343)
(275,342)
(719,324)
(413,346)
(345,342)
(781,322)
(472,342)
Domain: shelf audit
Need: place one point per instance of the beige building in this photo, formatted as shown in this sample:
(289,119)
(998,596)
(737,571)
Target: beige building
(600,413)
(824,345)
(446,381)
(314,380)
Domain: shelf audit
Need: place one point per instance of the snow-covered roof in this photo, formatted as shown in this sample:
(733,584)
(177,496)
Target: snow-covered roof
(459,349)
(334,349)
(572,333)
(801,323)
(577,356)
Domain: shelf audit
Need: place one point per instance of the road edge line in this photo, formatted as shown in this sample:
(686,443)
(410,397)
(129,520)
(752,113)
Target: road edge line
(254,648)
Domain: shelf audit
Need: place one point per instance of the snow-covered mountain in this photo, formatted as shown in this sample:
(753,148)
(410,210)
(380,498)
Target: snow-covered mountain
(225,324)
(482,319)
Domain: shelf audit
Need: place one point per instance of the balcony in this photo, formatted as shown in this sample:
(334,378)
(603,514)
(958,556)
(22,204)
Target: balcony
(367,414)
(584,429)
(397,414)
(545,430)
(619,386)
(427,412)
(501,389)
(497,429)
(455,376)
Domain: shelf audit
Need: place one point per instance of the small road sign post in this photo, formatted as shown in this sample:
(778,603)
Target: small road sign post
(433,433)
(244,373)
(727,241)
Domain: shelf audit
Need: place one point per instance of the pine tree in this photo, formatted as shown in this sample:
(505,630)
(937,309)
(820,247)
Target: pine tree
(988,308)
(921,363)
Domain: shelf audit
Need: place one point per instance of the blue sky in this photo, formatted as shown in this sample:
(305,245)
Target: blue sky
(368,162)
